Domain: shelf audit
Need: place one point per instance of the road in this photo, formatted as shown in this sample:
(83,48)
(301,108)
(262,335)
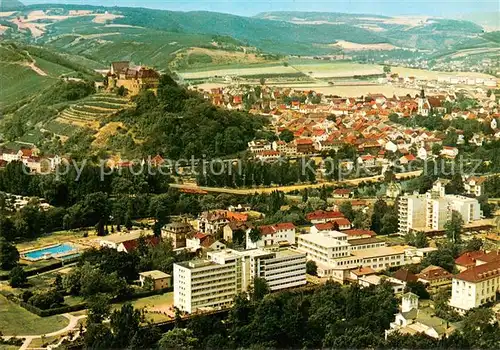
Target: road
(285,189)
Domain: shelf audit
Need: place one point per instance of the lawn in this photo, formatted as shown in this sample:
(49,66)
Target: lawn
(15,320)
(157,302)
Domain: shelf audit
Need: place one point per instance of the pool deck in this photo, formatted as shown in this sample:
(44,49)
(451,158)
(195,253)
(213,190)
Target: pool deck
(75,249)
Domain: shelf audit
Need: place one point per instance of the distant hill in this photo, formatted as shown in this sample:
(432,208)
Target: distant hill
(419,32)
(10,5)
(297,33)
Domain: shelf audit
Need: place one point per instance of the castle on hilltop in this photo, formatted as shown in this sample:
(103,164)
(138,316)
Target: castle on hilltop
(132,78)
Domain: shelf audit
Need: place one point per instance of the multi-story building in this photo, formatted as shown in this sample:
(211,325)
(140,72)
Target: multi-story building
(213,283)
(285,268)
(411,212)
(335,255)
(212,222)
(475,286)
(177,232)
(431,211)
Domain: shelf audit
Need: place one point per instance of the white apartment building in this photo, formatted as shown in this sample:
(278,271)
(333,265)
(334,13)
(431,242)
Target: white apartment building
(335,256)
(431,211)
(476,286)
(272,235)
(411,212)
(213,283)
(282,269)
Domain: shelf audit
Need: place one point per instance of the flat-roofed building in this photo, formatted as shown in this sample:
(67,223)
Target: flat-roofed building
(213,283)
(158,279)
(335,256)
(431,211)
(207,284)
(282,269)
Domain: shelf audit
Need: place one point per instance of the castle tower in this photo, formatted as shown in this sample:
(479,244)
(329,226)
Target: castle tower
(409,301)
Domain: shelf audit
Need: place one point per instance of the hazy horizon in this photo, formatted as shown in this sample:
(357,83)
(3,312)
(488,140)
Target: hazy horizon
(446,8)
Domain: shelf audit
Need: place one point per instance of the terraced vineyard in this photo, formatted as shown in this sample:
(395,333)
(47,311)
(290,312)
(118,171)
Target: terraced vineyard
(88,113)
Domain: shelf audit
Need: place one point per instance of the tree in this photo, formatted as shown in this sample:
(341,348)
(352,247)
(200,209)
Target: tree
(262,81)
(99,308)
(17,277)
(311,268)
(9,256)
(346,209)
(286,136)
(456,185)
(441,257)
(361,220)
(124,325)
(47,299)
(418,288)
(454,227)
(178,338)
(418,239)
(389,223)
(260,289)
(121,91)
(474,244)
(379,210)
(387,69)
(255,234)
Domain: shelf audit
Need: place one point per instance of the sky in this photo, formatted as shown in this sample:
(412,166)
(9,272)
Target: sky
(442,8)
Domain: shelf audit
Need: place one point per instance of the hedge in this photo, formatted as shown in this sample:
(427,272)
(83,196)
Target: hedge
(81,306)
(40,312)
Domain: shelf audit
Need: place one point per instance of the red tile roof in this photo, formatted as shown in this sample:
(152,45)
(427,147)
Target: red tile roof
(271,229)
(324,215)
(131,245)
(468,259)
(480,273)
(404,275)
(431,273)
(359,232)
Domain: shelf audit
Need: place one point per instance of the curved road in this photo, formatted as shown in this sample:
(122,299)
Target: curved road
(73,322)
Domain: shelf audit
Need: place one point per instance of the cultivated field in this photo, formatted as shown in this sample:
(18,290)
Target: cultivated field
(349,46)
(207,57)
(91,111)
(242,72)
(338,69)
(433,75)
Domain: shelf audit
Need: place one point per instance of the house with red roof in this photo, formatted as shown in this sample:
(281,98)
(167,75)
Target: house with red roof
(475,286)
(203,241)
(304,145)
(435,277)
(272,235)
(468,259)
(321,216)
(131,245)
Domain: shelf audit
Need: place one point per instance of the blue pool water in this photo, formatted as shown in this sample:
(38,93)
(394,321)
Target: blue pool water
(60,249)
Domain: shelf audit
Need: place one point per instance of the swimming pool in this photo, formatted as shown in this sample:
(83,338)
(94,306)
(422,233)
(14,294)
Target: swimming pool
(54,251)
